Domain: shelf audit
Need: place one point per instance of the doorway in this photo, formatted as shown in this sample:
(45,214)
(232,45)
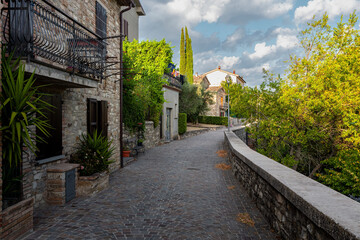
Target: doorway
(168,124)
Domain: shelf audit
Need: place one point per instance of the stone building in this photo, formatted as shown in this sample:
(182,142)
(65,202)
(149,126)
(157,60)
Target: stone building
(213,80)
(74,48)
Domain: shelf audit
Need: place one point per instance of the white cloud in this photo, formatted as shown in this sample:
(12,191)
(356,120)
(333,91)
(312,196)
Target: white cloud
(286,40)
(229,62)
(319,7)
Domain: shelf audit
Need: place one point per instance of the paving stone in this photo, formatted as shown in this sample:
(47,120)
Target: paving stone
(172,191)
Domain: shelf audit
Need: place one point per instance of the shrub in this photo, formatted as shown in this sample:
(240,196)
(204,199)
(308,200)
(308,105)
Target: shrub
(182,123)
(213,120)
(93,153)
(342,172)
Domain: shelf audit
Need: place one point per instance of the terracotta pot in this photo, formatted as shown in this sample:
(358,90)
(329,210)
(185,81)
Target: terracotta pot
(126,153)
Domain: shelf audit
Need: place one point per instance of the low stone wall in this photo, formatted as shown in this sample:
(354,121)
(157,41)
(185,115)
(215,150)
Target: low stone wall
(152,135)
(89,185)
(296,206)
(17,220)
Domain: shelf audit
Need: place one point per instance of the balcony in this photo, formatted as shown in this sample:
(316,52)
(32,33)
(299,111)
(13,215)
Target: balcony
(174,81)
(53,44)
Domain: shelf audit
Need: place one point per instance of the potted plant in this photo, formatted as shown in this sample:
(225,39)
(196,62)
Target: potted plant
(93,153)
(140,142)
(126,151)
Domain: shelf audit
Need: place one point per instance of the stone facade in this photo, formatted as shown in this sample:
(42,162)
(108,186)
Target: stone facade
(74,91)
(297,207)
(219,105)
(152,135)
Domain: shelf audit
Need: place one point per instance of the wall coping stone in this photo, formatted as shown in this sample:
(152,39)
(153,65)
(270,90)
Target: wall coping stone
(330,210)
(63,167)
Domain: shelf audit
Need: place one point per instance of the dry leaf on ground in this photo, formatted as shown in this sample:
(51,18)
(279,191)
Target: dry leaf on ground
(222,153)
(223,166)
(245,218)
(231,187)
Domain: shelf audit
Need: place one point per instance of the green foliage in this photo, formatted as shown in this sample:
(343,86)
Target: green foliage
(194,100)
(186,56)
(213,120)
(189,61)
(21,110)
(342,172)
(182,54)
(311,117)
(144,63)
(93,153)
(182,123)
(21,107)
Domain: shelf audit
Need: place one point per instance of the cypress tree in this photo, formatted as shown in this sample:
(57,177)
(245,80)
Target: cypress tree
(182,54)
(189,61)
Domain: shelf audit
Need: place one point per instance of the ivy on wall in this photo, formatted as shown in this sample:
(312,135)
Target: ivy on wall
(144,65)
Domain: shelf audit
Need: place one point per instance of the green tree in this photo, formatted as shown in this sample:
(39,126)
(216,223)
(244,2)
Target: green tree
(310,120)
(182,54)
(194,101)
(144,65)
(189,61)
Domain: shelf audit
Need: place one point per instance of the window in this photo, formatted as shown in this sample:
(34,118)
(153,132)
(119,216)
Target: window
(97,116)
(53,145)
(101,20)
(126,28)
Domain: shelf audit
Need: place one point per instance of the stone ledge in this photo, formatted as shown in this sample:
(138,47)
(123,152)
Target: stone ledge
(63,167)
(331,211)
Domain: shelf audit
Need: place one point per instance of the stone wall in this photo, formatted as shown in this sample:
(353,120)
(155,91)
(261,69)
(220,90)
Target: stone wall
(152,135)
(296,206)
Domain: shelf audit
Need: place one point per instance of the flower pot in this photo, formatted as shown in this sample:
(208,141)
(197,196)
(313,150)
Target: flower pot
(126,153)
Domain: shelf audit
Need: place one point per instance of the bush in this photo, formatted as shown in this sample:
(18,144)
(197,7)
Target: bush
(182,123)
(93,154)
(342,172)
(213,120)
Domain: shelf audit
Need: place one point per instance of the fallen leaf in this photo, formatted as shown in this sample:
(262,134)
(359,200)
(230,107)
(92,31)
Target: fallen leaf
(231,187)
(223,166)
(245,218)
(222,153)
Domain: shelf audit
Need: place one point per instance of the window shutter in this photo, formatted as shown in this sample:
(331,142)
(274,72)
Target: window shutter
(126,28)
(101,19)
(92,115)
(103,118)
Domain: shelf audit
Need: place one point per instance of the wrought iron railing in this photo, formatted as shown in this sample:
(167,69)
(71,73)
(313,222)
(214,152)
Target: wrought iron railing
(224,105)
(173,81)
(38,30)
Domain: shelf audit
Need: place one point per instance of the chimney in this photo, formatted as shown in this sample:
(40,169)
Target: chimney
(219,67)
(234,71)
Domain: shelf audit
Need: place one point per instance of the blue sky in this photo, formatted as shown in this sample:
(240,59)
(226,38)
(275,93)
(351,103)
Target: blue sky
(239,35)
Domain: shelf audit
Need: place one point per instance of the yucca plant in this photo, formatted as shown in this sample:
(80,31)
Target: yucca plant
(93,153)
(21,113)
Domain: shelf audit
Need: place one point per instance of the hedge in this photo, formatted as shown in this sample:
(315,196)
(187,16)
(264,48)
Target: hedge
(213,120)
(182,123)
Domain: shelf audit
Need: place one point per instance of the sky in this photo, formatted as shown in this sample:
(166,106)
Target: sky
(241,35)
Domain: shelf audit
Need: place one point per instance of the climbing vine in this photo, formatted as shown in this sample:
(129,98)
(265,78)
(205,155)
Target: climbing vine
(144,65)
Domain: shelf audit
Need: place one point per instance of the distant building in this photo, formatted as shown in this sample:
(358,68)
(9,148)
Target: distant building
(211,81)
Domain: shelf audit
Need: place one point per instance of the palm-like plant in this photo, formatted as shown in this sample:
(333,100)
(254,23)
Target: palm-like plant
(21,107)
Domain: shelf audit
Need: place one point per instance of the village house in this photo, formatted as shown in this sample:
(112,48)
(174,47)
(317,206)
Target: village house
(211,81)
(74,48)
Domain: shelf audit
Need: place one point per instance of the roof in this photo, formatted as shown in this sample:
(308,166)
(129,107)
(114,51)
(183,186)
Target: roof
(214,89)
(138,7)
(230,73)
(199,78)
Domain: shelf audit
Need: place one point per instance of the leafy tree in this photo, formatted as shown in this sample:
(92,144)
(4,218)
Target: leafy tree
(144,65)
(194,101)
(182,54)
(310,119)
(189,61)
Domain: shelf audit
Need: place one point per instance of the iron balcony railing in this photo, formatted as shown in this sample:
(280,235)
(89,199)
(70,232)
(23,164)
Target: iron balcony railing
(174,81)
(39,31)
(224,105)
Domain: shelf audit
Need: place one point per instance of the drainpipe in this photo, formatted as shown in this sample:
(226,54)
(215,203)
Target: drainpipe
(131,5)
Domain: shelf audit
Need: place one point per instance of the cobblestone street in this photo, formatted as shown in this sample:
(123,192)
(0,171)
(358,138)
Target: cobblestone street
(173,191)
